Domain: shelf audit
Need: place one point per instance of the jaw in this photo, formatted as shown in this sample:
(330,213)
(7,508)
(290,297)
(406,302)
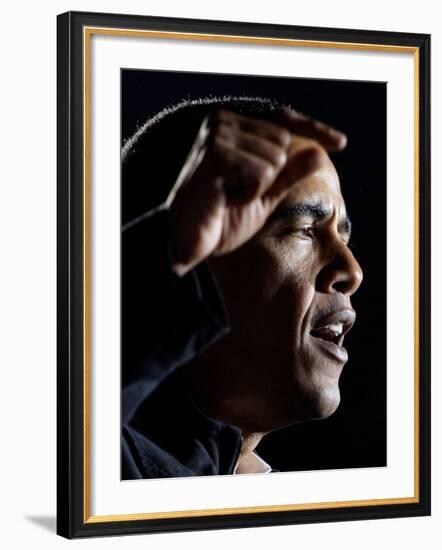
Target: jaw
(316,384)
(327,401)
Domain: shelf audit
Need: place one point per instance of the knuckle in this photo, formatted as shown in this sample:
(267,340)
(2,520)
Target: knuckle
(280,158)
(284,137)
(319,126)
(224,130)
(265,174)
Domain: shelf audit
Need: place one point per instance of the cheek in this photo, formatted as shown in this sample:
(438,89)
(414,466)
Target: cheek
(289,292)
(290,270)
(266,283)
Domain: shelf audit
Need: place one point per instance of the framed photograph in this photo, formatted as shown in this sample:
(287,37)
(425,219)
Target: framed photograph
(243,274)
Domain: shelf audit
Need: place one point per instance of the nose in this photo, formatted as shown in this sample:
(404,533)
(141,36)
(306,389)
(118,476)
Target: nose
(342,272)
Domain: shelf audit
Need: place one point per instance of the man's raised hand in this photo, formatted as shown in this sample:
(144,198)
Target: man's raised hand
(238,171)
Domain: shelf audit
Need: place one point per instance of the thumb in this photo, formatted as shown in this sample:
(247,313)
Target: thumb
(299,166)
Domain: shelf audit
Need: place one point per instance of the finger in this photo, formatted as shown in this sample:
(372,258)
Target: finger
(257,126)
(284,122)
(297,168)
(298,123)
(255,144)
(245,175)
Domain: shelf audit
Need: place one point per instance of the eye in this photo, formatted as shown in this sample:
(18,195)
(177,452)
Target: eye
(304,231)
(291,230)
(308,231)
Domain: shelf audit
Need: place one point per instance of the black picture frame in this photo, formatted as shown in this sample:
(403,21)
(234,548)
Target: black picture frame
(73,516)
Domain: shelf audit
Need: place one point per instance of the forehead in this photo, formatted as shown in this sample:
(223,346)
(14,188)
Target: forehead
(321,187)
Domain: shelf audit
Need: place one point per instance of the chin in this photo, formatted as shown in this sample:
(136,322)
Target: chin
(327,402)
(322,402)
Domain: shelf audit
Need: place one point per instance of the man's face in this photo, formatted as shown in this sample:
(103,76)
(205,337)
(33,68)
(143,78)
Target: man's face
(288,296)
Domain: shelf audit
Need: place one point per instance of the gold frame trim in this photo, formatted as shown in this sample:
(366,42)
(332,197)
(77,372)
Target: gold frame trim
(87,33)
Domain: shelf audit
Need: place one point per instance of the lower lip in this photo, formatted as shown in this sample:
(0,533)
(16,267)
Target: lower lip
(339,353)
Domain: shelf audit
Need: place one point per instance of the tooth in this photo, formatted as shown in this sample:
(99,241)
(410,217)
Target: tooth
(336,327)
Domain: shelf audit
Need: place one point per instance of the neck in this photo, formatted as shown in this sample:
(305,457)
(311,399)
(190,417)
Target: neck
(229,412)
(249,443)
(248,462)
(228,402)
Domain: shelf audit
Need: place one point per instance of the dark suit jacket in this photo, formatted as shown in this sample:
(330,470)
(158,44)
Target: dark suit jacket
(166,321)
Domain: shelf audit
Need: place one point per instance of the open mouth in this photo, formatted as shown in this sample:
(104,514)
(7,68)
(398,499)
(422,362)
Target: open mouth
(330,337)
(333,327)
(333,332)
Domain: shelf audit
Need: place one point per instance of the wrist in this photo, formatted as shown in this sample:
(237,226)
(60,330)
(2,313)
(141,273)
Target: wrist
(180,258)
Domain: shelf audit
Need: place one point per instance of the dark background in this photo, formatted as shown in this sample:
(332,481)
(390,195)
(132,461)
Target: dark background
(355,436)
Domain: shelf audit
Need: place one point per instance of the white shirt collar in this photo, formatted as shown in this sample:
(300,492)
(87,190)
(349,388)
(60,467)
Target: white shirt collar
(252,464)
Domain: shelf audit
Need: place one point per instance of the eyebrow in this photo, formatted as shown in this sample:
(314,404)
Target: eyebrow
(315,211)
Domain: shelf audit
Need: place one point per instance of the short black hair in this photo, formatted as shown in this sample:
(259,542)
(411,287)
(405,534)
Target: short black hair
(152,158)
